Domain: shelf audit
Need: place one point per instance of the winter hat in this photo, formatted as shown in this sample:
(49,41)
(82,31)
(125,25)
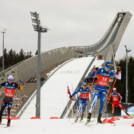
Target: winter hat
(108,65)
(114,89)
(84,83)
(10,78)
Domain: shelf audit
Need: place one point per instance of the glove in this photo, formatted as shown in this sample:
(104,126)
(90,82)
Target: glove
(21,88)
(96,68)
(70,96)
(119,76)
(86,80)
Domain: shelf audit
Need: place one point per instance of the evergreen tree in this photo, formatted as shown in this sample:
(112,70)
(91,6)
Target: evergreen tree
(21,55)
(5,58)
(12,57)
(36,52)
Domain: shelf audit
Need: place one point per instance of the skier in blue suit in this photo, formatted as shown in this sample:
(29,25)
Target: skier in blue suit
(84,99)
(104,75)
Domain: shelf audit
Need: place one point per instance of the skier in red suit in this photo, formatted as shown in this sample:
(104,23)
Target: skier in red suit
(116,100)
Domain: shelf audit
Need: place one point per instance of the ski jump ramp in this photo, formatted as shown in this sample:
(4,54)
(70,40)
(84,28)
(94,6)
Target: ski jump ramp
(108,44)
(54,91)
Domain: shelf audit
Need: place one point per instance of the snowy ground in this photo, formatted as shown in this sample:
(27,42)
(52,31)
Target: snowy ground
(65,126)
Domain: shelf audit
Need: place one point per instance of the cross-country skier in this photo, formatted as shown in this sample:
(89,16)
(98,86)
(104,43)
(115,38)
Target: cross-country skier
(84,99)
(10,88)
(116,98)
(104,75)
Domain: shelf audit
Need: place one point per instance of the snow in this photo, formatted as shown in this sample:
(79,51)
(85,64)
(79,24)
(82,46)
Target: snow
(65,126)
(54,95)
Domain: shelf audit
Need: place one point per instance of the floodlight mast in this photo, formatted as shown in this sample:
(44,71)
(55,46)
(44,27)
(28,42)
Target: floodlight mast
(38,28)
(3,32)
(127,51)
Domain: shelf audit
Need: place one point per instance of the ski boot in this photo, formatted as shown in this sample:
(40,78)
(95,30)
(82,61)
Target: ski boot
(99,119)
(76,119)
(82,117)
(8,122)
(89,117)
(0,119)
(112,114)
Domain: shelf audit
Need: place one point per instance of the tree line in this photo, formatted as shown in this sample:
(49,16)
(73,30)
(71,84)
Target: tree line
(12,57)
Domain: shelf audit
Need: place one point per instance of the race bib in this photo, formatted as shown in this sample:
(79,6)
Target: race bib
(102,80)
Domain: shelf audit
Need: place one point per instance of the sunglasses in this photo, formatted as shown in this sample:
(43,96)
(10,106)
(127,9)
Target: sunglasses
(10,80)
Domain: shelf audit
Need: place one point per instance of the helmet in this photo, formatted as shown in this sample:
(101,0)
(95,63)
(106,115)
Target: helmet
(10,78)
(114,89)
(84,83)
(108,65)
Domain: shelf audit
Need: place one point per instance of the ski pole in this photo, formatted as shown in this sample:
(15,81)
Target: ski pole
(113,85)
(92,82)
(68,91)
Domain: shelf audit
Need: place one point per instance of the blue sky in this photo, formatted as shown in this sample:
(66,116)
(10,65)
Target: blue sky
(71,23)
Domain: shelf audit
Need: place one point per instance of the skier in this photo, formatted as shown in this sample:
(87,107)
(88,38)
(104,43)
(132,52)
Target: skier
(116,100)
(84,99)
(10,88)
(104,75)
